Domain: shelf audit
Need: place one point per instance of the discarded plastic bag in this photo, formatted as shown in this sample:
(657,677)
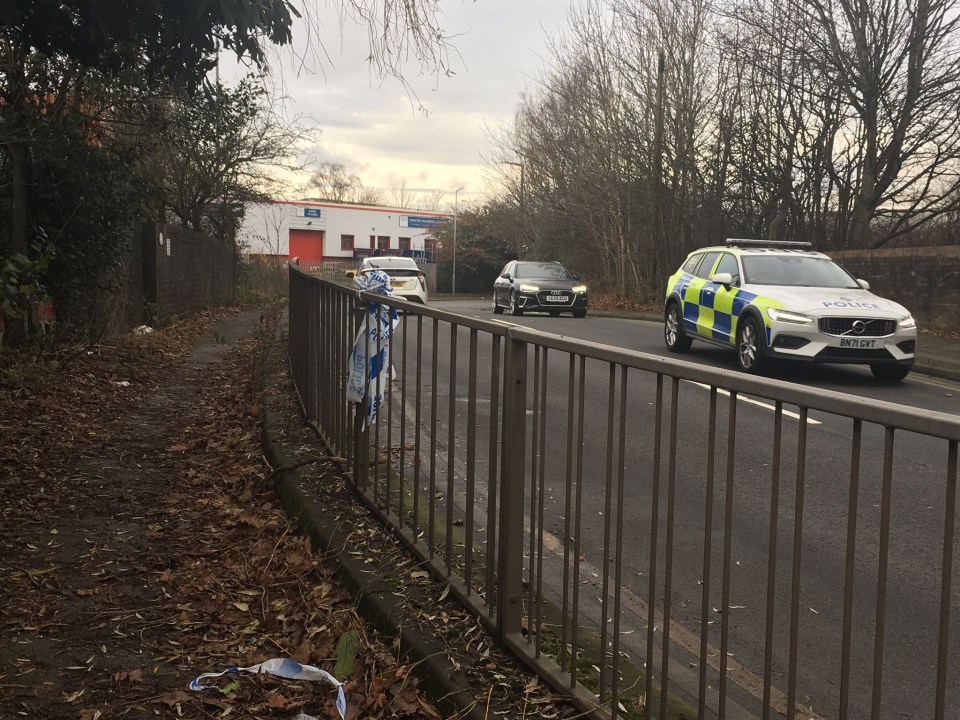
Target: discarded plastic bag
(142,330)
(285,668)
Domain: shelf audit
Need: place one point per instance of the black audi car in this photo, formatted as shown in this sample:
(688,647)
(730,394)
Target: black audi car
(534,286)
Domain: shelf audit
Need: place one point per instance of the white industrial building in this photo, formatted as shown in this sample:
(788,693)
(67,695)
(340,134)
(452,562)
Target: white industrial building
(325,232)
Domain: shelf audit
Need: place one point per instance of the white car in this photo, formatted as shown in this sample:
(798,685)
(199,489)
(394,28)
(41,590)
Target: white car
(782,300)
(407,280)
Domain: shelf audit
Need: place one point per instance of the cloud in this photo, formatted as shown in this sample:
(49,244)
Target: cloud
(379,131)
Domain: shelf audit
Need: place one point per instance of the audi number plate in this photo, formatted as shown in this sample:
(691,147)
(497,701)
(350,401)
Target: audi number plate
(557,298)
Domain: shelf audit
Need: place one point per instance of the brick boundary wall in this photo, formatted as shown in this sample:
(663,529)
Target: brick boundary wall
(184,271)
(925,280)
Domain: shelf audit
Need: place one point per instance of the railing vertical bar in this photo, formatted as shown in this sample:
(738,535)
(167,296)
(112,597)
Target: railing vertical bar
(388,401)
(567,509)
(432,520)
(493,474)
(727,549)
(338,365)
(326,362)
(668,547)
(345,336)
(607,517)
(850,567)
(378,393)
(577,524)
(451,450)
(332,372)
(884,546)
(311,398)
(534,459)
(618,553)
(471,460)
(348,332)
(654,531)
(320,357)
(361,426)
(797,557)
(510,564)
(772,533)
(542,495)
(417,405)
(949,521)
(402,455)
(707,552)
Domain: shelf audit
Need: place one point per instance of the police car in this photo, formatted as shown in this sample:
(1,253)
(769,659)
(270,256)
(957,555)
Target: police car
(782,300)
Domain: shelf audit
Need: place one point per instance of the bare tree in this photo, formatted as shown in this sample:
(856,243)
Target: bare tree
(217,148)
(401,195)
(399,32)
(432,199)
(897,67)
(332,181)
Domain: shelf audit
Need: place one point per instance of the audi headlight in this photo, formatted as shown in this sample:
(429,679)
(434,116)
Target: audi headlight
(907,322)
(787,316)
(579,289)
(529,288)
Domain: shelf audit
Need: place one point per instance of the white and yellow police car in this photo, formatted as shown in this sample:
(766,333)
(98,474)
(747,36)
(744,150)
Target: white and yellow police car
(782,300)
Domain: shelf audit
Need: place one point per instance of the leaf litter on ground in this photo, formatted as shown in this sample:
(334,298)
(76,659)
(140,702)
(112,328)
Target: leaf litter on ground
(143,544)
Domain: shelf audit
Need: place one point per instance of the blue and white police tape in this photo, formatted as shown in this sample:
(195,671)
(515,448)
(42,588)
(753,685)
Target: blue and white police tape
(280,667)
(370,359)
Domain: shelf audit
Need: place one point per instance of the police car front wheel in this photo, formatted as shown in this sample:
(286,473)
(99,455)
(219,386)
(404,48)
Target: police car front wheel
(673,334)
(750,346)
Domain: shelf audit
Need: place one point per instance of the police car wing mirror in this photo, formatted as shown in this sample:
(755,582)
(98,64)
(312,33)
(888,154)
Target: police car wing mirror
(863,283)
(722,278)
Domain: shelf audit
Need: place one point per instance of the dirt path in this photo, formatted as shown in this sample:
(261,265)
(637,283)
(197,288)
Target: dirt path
(138,534)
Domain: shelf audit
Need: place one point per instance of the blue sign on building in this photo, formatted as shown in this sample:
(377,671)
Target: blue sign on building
(311,212)
(421,221)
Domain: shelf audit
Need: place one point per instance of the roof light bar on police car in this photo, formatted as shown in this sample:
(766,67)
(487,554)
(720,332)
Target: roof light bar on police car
(794,244)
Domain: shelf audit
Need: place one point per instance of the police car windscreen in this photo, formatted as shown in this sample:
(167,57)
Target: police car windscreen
(797,271)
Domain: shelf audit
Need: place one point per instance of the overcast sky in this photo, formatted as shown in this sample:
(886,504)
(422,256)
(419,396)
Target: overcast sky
(374,129)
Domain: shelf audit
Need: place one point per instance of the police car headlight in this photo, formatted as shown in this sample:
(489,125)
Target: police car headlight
(787,316)
(579,289)
(529,288)
(905,323)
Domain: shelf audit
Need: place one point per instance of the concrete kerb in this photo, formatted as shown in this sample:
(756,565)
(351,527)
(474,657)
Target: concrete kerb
(369,584)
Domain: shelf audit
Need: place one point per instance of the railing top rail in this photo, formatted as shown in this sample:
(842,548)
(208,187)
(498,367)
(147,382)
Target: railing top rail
(880,412)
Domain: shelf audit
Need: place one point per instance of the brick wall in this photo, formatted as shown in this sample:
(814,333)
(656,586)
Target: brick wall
(184,271)
(925,280)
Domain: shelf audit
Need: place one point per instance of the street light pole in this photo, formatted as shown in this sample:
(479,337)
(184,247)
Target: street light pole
(456,213)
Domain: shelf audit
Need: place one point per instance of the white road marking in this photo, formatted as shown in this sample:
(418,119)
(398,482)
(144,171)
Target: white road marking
(768,406)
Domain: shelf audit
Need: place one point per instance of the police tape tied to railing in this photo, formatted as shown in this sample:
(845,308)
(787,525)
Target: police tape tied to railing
(370,359)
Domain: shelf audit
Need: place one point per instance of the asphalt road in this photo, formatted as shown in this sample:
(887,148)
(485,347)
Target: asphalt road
(916,539)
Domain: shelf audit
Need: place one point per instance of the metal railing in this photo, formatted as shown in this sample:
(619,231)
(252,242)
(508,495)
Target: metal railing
(650,535)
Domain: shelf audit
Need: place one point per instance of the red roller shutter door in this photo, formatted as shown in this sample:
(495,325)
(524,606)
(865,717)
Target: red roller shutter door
(307,245)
